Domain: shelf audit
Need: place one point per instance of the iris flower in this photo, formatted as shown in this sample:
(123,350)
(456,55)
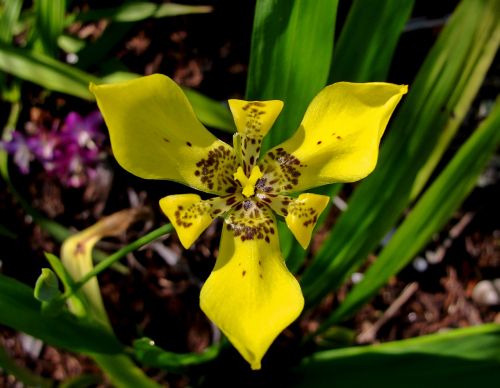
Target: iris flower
(250,295)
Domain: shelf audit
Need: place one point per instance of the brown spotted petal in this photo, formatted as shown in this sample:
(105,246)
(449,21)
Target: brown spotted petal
(155,135)
(250,295)
(302,215)
(253,120)
(190,215)
(338,138)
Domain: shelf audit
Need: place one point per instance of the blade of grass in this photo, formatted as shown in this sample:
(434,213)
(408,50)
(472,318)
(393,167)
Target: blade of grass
(136,11)
(290,57)
(372,28)
(55,75)
(292,43)
(11,9)
(460,358)
(430,214)
(153,356)
(50,20)
(213,113)
(368,40)
(21,311)
(45,71)
(478,63)
(378,202)
(9,16)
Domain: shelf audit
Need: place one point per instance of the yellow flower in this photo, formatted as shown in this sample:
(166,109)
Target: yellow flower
(250,295)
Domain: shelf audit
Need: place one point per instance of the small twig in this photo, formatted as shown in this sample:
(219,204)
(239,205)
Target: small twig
(369,334)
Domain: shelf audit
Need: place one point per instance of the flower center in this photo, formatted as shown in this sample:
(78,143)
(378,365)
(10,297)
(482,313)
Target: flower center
(248,183)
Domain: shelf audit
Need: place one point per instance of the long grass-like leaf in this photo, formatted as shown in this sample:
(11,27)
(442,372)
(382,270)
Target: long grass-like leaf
(430,214)
(45,71)
(459,358)
(21,311)
(50,20)
(151,355)
(372,28)
(380,200)
(292,43)
(290,57)
(136,11)
(11,9)
(55,75)
(368,40)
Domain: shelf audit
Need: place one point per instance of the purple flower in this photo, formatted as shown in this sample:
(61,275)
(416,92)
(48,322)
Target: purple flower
(19,147)
(84,130)
(70,152)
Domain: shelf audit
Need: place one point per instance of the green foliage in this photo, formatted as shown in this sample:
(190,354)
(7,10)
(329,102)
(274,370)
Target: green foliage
(371,32)
(290,57)
(136,11)
(459,358)
(151,355)
(21,311)
(50,20)
(47,286)
(380,199)
(429,215)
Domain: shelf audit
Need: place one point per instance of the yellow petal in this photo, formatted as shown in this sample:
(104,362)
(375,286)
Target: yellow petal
(253,120)
(303,214)
(338,138)
(156,135)
(189,215)
(76,256)
(250,295)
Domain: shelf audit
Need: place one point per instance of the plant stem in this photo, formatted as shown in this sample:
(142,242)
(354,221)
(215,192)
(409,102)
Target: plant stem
(111,259)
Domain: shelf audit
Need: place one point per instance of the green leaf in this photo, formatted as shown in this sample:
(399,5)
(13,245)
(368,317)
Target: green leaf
(95,53)
(292,43)
(150,355)
(458,358)
(20,311)
(50,22)
(290,57)
(430,214)
(9,15)
(55,75)
(368,40)
(11,9)
(478,62)
(372,28)
(213,113)
(47,286)
(136,11)
(70,43)
(45,71)
(380,200)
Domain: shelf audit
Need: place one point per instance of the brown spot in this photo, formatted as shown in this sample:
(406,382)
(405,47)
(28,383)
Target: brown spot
(338,137)
(243,273)
(166,140)
(189,144)
(319,142)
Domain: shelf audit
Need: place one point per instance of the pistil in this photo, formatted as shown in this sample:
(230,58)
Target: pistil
(248,183)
